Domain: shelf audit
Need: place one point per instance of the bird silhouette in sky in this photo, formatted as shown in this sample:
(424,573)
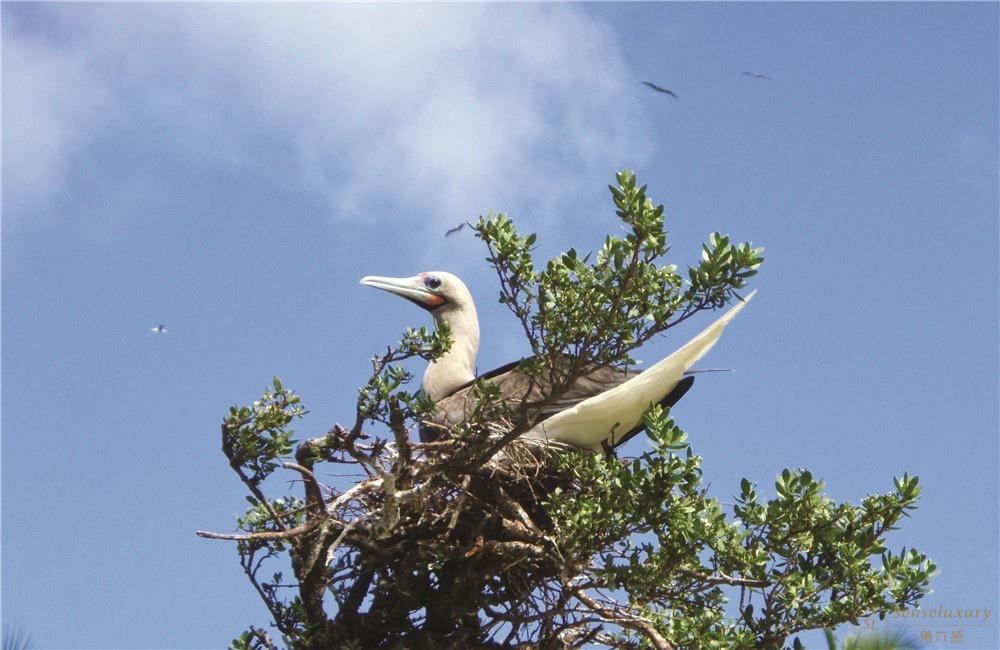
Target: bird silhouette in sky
(755,75)
(661,89)
(160,329)
(455,229)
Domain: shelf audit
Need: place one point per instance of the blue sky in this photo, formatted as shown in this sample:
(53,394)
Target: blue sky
(233,170)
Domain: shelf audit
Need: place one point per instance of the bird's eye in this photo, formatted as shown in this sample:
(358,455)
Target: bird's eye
(432,282)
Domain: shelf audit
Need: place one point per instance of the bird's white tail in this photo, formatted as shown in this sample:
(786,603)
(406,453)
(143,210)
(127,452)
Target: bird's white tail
(618,410)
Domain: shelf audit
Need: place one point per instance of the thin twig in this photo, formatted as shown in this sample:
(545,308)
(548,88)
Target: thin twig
(263,536)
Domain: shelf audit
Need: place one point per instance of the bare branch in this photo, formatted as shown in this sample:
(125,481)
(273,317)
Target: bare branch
(624,619)
(314,493)
(263,536)
(720,578)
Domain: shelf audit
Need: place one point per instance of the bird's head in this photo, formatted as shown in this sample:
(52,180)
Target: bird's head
(432,290)
(449,301)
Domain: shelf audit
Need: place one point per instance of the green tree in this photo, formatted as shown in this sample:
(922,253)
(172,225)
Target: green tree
(479,540)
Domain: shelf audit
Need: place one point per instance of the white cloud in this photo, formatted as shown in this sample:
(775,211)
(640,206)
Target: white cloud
(53,102)
(442,110)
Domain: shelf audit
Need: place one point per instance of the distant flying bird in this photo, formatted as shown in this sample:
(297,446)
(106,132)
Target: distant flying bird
(755,75)
(604,405)
(455,229)
(661,89)
(160,329)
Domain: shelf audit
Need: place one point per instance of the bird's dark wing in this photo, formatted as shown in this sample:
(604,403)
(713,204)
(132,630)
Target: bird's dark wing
(517,387)
(595,382)
(455,229)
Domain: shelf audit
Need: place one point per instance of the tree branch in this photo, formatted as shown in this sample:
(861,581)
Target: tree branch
(630,621)
(263,536)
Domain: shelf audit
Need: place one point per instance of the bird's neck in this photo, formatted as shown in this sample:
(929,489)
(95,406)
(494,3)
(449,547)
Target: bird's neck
(458,365)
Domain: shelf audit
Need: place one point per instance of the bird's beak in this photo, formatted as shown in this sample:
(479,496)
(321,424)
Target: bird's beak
(413,289)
